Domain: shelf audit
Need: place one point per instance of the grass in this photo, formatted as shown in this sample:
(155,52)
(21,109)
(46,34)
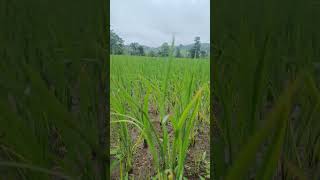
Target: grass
(171,92)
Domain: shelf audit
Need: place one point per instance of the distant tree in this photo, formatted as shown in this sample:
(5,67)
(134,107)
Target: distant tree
(141,50)
(203,54)
(134,49)
(195,50)
(188,54)
(178,52)
(152,53)
(164,50)
(116,43)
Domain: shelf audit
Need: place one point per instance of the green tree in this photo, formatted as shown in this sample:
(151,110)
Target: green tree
(203,54)
(141,51)
(164,50)
(116,43)
(195,50)
(134,49)
(152,53)
(178,52)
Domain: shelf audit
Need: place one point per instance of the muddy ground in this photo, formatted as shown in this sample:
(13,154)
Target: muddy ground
(142,159)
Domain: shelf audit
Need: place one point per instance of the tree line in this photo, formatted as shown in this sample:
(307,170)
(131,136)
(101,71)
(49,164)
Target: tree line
(117,47)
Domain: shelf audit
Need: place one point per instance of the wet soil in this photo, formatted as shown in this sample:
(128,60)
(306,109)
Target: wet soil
(142,160)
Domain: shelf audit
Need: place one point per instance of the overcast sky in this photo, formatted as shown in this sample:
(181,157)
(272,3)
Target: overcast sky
(152,22)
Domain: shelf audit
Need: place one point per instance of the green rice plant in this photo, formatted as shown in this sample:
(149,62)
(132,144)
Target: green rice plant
(181,140)
(167,91)
(126,147)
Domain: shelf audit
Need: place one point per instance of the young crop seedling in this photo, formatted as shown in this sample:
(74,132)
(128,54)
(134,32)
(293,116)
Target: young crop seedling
(163,99)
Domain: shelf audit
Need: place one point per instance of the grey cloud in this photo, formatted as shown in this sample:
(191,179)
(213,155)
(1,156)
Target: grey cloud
(152,22)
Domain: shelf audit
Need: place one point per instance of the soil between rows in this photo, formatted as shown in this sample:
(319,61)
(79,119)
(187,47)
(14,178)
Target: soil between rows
(142,160)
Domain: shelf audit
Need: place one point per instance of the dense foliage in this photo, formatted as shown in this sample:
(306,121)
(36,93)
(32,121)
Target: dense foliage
(116,43)
(196,50)
(136,49)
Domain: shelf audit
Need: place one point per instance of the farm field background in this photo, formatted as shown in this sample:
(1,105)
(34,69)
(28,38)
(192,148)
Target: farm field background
(153,95)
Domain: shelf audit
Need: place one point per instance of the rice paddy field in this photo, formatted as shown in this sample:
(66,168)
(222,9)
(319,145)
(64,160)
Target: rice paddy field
(160,112)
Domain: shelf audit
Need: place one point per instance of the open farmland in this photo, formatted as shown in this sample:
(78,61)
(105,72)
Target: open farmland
(159,117)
